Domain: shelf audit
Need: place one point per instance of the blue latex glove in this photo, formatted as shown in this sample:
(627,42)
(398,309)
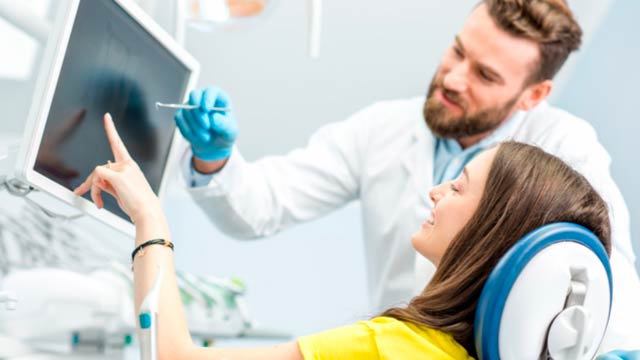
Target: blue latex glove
(620,355)
(211,133)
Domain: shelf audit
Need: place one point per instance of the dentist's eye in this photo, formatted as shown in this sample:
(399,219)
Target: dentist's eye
(458,52)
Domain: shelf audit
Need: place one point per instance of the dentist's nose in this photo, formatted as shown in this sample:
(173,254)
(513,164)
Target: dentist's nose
(456,79)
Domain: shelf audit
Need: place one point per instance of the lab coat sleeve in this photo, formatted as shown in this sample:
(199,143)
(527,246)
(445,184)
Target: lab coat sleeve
(256,199)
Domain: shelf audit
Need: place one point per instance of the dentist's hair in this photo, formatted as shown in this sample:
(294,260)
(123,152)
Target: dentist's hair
(526,188)
(549,23)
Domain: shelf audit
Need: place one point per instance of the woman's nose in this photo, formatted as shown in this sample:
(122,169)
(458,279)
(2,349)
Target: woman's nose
(435,194)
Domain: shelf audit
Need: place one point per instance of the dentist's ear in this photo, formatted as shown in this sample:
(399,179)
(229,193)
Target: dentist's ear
(535,94)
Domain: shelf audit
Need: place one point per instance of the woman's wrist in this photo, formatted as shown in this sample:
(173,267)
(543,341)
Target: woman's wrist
(150,210)
(151,225)
(142,248)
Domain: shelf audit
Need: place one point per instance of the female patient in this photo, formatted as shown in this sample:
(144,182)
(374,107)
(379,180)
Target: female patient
(502,194)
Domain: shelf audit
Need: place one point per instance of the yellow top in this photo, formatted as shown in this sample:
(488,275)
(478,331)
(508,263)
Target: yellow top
(382,338)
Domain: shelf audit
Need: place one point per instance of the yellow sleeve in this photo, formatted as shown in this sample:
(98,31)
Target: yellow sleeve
(382,338)
(348,342)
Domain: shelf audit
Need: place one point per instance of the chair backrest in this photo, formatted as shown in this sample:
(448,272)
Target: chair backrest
(549,295)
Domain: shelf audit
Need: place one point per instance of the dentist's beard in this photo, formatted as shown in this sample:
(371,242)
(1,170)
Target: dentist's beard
(442,124)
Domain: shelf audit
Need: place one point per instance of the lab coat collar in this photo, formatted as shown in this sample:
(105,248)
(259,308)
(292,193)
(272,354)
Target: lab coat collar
(418,159)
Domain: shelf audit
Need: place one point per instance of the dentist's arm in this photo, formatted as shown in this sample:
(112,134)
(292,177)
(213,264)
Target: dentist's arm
(125,182)
(260,198)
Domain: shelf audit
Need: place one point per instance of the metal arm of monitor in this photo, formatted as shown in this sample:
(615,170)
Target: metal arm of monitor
(21,17)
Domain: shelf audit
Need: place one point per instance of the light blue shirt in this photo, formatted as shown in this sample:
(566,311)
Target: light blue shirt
(450,158)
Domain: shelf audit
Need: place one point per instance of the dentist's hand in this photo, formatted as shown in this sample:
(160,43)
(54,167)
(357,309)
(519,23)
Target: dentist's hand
(620,355)
(211,133)
(124,180)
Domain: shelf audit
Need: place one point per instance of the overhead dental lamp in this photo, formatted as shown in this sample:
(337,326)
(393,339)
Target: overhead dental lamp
(208,14)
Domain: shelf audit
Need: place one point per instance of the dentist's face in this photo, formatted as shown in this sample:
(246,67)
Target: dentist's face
(454,204)
(480,81)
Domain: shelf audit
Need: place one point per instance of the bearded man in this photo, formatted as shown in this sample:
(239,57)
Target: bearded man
(491,85)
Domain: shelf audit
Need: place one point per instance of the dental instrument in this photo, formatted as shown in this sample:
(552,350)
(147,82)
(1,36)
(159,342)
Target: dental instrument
(149,320)
(188,107)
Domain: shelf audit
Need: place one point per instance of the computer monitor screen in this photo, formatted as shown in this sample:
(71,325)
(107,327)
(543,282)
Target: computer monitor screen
(116,63)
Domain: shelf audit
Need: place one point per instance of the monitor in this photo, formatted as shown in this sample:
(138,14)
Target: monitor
(107,56)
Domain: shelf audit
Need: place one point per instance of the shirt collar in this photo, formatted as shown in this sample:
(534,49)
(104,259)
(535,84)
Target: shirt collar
(502,133)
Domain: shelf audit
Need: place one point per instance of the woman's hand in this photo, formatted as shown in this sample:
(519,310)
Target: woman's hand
(123,180)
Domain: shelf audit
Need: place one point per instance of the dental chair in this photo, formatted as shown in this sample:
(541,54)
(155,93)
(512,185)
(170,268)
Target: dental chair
(549,297)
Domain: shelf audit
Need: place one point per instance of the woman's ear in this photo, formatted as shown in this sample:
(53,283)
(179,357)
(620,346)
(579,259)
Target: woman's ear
(535,94)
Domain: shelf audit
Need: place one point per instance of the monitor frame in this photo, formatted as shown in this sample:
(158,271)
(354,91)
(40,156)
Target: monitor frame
(53,58)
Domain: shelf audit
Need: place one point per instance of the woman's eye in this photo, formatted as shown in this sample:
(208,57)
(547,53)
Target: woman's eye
(454,188)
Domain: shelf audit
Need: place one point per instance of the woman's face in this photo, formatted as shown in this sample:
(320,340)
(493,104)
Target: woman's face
(454,204)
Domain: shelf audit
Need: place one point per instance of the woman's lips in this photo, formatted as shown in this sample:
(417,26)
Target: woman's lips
(429,221)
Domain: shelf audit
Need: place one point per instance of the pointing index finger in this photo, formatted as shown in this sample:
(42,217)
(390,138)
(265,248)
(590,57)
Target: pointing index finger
(120,152)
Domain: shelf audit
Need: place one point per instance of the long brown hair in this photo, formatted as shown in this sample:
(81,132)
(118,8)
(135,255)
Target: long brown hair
(526,188)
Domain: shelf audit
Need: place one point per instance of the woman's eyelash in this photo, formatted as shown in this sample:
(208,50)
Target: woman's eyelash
(454,188)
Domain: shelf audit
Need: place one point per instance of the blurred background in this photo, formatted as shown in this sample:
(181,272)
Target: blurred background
(311,277)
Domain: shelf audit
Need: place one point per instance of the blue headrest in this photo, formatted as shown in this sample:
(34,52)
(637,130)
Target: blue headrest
(500,281)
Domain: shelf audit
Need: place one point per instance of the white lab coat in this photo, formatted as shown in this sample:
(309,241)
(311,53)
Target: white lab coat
(383,156)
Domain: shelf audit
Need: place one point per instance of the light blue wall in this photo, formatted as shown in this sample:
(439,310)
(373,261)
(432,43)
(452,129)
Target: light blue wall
(603,89)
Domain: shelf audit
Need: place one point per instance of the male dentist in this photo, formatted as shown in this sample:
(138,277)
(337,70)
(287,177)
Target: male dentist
(490,86)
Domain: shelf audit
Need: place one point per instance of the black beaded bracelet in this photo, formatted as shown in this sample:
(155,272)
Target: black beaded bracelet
(162,242)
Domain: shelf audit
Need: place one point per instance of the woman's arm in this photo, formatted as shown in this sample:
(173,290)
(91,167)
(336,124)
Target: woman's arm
(124,181)
(173,336)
